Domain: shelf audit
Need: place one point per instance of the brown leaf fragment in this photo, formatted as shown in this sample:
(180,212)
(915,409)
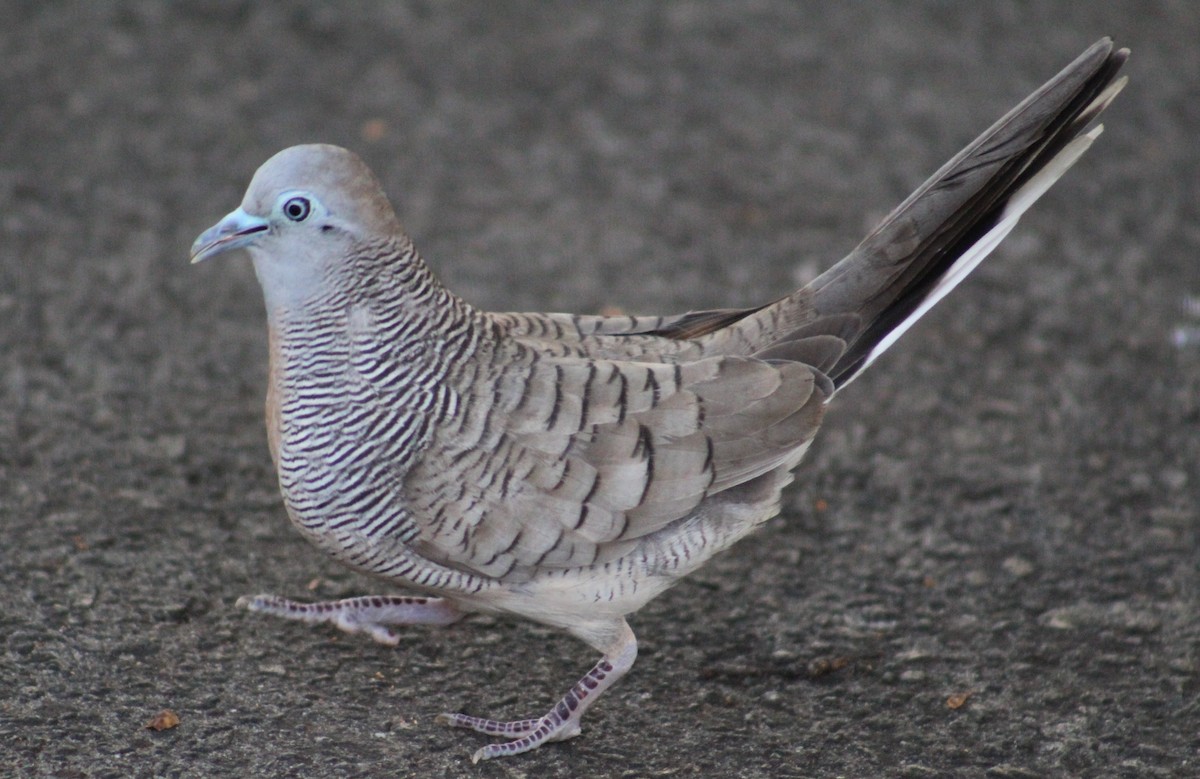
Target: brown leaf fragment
(373,130)
(958,700)
(164,720)
(822,666)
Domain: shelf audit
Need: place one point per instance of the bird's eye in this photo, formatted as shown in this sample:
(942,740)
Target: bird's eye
(297,209)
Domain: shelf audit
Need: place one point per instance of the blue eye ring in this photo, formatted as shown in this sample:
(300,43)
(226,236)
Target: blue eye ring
(297,209)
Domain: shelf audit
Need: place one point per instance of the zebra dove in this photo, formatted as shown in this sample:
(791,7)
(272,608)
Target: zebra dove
(568,469)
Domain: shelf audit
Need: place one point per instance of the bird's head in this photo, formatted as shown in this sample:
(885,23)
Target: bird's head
(304,211)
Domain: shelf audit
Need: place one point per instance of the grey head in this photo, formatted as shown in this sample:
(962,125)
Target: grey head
(305,211)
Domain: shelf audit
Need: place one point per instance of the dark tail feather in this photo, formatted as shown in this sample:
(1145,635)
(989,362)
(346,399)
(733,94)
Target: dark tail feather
(928,244)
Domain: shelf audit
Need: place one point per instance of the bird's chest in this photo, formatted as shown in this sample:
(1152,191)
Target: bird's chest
(343,447)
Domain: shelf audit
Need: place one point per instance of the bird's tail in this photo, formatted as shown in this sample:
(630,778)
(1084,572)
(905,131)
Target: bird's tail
(852,313)
(936,237)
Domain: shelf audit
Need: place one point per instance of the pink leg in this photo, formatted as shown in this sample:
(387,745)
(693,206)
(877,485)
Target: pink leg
(562,721)
(370,614)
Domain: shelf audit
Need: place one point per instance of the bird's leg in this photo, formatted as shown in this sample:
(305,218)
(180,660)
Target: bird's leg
(370,614)
(562,721)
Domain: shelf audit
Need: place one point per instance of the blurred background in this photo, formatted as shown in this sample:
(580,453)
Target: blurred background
(989,565)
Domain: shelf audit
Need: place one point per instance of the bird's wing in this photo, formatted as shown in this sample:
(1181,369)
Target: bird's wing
(575,328)
(612,428)
(577,459)
(618,337)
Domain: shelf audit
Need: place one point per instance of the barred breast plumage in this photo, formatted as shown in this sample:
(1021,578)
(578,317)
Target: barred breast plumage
(566,468)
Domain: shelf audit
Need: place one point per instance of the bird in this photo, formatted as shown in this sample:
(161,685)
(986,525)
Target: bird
(563,468)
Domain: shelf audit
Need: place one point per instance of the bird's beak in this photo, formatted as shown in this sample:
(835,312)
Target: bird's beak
(237,230)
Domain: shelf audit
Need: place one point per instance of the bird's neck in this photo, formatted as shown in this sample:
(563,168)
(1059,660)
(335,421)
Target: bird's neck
(360,380)
(384,332)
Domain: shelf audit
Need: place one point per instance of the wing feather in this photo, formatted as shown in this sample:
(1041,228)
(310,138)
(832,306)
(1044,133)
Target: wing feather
(602,453)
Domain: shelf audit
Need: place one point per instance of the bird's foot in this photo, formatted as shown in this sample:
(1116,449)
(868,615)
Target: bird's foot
(562,721)
(514,728)
(370,614)
(559,724)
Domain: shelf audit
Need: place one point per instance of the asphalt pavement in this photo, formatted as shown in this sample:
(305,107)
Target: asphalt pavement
(989,565)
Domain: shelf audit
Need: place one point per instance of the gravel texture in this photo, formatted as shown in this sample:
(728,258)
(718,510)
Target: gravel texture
(989,566)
